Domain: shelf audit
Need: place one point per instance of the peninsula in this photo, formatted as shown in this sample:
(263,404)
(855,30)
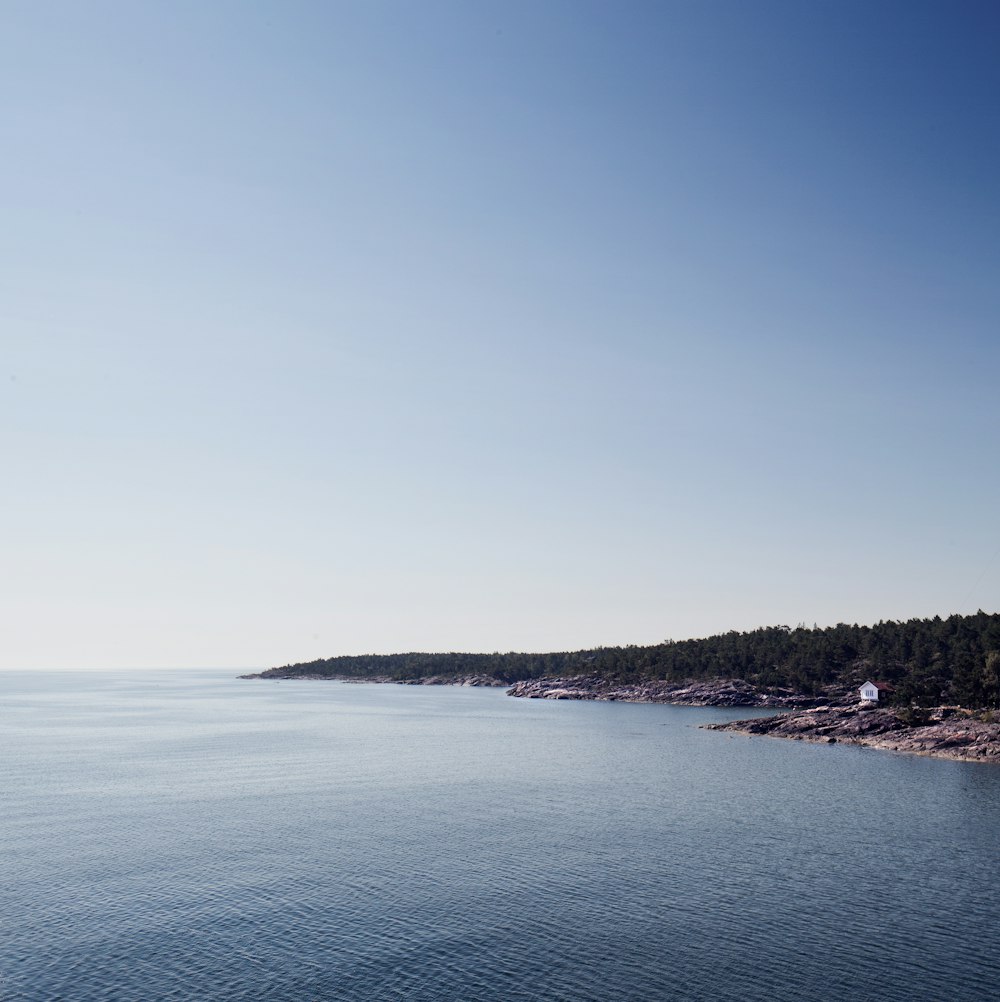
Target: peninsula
(943,675)
(929,662)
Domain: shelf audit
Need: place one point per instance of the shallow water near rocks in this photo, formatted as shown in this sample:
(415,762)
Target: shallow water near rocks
(189,835)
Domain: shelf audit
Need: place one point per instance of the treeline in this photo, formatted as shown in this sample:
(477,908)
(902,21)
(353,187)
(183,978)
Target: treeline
(928,661)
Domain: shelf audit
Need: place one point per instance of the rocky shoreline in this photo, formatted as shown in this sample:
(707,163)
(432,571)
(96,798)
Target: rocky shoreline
(281,674)
(474,680)
(717,692)
(943,732)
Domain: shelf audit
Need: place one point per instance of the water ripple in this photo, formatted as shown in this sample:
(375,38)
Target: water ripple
(221,840)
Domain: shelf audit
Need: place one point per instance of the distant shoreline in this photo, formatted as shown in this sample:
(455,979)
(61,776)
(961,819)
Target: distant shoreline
(714,692)
(282,675)
(943,732)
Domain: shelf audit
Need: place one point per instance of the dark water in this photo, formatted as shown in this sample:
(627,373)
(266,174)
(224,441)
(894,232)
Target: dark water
(190,836)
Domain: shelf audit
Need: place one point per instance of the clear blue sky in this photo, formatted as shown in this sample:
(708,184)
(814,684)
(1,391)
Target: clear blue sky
(366,327)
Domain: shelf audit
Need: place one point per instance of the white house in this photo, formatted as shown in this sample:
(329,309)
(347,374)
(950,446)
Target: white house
(871,691)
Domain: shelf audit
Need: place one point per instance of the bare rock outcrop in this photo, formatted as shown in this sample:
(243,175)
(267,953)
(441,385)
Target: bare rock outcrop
(944,731)
(715,692)
(474,680)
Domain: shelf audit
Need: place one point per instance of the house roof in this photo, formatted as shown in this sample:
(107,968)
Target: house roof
(881,686)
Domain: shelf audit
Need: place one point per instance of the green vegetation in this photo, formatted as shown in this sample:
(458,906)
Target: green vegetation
(929,661)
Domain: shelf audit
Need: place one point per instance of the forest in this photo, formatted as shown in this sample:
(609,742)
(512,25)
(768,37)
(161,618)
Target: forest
(955,660)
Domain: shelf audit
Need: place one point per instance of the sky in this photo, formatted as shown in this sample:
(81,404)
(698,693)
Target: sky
(342,328)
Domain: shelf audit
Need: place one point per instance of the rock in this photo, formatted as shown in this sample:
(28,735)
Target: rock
(715,692)
(470,680)
(951,732)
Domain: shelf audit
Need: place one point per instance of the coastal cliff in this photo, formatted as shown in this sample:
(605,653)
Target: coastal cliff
(942,732)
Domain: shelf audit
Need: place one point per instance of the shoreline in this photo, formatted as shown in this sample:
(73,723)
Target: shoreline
(713,692)
(949,732)
(280,675)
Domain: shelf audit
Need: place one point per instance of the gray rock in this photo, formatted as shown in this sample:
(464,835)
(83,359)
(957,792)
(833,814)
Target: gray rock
(951,732)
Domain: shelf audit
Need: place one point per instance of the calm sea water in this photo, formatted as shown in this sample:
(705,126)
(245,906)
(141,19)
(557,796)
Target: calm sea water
(190,836)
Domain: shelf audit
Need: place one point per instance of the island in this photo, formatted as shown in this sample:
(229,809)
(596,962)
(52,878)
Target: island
(938,691)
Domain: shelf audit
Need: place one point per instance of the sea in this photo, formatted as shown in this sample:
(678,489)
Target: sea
(189,835)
